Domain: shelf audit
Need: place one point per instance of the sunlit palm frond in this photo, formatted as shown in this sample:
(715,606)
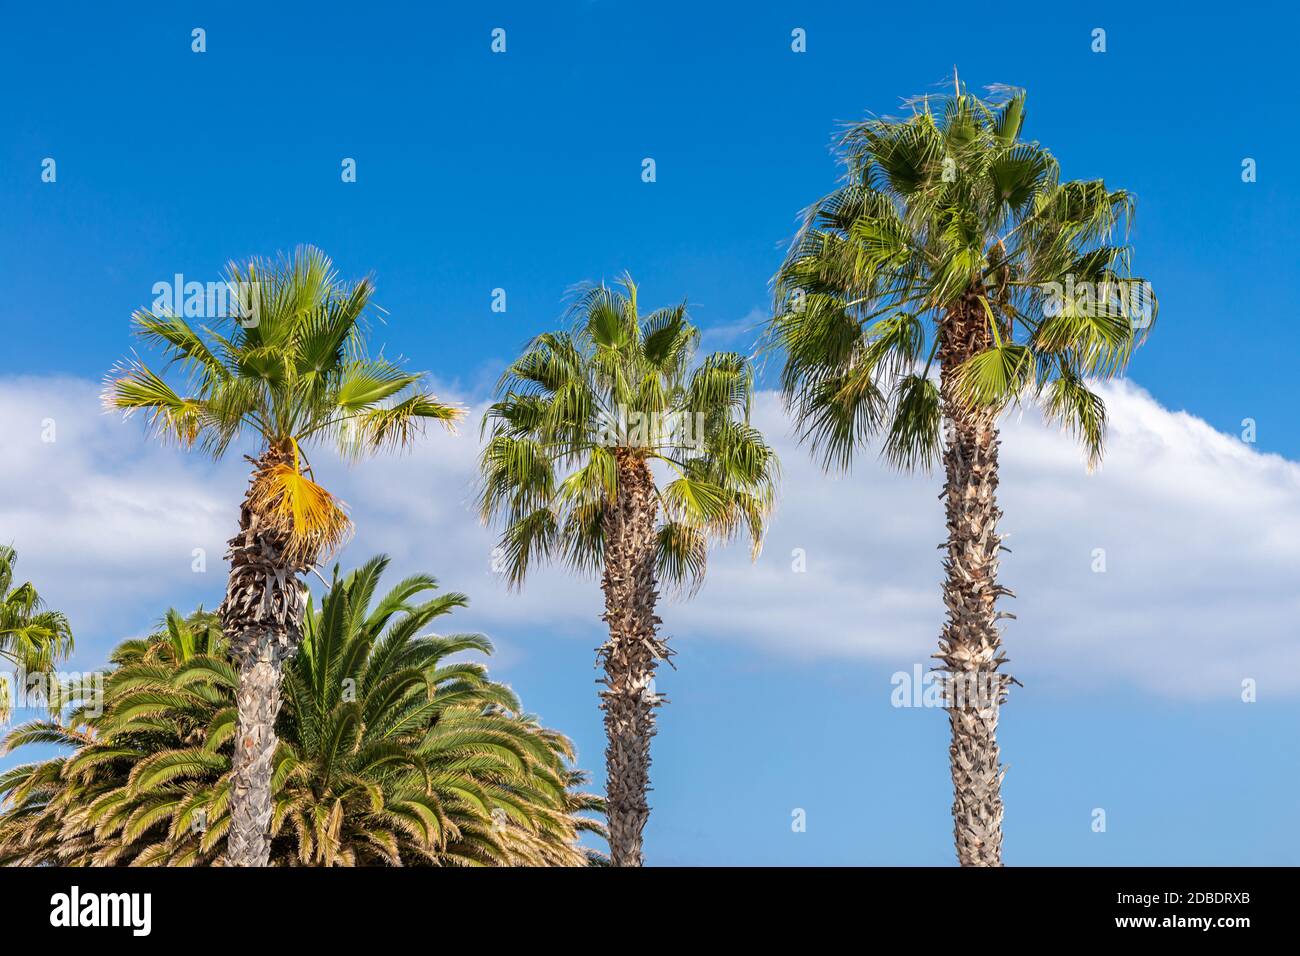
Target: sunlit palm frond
(313,522)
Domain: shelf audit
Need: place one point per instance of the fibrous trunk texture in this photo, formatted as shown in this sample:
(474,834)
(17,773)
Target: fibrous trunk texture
(970,647)
(262,619)
(630,655)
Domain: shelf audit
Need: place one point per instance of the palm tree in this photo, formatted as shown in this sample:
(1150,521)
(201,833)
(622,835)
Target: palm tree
(394,750)
(32,639)
(287,369)
(953,244)
(582,420)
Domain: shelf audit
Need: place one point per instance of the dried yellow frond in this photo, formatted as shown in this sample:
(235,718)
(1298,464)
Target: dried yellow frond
(311,519)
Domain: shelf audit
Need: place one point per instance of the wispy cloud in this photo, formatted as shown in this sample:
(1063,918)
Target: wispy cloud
(725,335)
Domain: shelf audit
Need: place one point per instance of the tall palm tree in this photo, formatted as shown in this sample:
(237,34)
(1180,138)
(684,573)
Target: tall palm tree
(32,638)
(584,419)
(953,245)
(286,370)
(394,750)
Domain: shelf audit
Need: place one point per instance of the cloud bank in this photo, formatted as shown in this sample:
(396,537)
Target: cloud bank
(1198,534)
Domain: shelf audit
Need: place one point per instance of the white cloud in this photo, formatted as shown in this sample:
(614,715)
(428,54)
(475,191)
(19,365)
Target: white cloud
(102,520)
(1201,534)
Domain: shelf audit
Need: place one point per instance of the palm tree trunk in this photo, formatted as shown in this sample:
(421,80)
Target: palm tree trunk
(630,655)
(262,619)
(248,841)
(970,646)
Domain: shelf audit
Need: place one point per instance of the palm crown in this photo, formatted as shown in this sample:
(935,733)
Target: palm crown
(32,637)
(394,749)
(949,209)
(620,385)
(289,368)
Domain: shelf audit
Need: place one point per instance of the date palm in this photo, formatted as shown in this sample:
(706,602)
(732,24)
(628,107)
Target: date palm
(953,246)
(286,370)
(32,638)
(395,749)
(611,450)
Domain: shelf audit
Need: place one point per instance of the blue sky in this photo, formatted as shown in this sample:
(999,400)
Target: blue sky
(521,171)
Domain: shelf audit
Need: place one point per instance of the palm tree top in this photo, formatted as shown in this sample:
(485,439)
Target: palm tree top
(947,210)
(31,636)
(618,387)
(294,371)
(288,367)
